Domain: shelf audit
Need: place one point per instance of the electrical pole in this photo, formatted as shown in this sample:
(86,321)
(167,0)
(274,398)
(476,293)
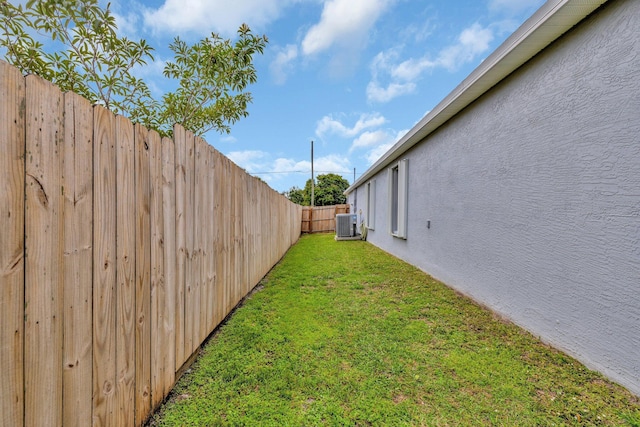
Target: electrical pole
(312,183)
(354,175)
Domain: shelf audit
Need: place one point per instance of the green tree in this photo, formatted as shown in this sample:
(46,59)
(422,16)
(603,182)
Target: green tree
(297,195)
(328,191)
(213,75)
(84,54)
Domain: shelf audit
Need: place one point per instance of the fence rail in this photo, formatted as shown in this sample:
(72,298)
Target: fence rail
(318,219)
(119,253)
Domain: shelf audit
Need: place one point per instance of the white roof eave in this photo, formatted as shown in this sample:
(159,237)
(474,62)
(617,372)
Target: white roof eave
(546,25)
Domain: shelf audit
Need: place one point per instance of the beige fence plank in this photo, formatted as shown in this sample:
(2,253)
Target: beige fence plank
(78,261)
(208,224)
(104,272)
(190,304)
(143,275)
(210,239)
(218,170)
(170,257)
(44,283)
(196,253)
(158,289)
(201,236)
(126,271)
(201,233)
(179,137)
(12,134)
(229,233)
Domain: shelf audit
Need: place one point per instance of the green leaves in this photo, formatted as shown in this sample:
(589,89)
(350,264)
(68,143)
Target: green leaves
(327,191)
(213,74)
(83,53)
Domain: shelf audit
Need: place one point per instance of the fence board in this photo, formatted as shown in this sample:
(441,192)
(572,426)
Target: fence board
(202,230)
(125,271)
(218,171)
(211,225)
(12,132)
(170,257)
(158,289)
(196,277)
(143,275)
(44,248)
(78,260)
(179,138)
(189,305)
(231,271)
(104,273)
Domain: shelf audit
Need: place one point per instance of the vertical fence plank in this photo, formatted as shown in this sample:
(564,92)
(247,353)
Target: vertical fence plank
(237,235)
(179,137)
(217,249)
(78,261)
(190,312)
(12,135)
(211,225)
(104,272)
(170,259)
(228,235)
(44,248)
(196,253)
(125,271)
(143,275)
(200,236)
(158,289)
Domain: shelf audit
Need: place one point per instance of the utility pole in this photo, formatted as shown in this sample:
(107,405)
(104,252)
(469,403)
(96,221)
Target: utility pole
(312,183)
(354,175)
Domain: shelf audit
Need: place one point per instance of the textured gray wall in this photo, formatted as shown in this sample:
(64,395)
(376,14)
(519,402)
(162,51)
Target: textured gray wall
(533,193)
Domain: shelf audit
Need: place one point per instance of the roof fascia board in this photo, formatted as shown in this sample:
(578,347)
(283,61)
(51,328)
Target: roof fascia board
(547,24)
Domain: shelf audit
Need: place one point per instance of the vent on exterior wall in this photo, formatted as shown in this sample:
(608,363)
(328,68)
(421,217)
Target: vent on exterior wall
(346,225)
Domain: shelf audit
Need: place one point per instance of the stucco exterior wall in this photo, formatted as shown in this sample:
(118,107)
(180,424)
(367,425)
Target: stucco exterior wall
(533,196)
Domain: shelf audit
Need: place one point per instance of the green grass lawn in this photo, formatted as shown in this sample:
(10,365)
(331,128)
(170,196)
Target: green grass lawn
(341,333)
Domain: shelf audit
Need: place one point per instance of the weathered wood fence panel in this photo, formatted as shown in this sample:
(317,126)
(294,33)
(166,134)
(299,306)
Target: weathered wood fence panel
(44,250)
(125,271)
(318,219)
(78,260)
(12,176)
(120,252)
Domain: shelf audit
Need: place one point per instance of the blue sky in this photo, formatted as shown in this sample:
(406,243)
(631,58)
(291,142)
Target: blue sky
(351,75)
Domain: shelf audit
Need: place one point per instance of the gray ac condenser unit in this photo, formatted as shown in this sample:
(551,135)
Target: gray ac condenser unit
(346,225)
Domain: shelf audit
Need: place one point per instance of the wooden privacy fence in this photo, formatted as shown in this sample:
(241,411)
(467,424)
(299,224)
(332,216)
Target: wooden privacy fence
(119,253)
(321,218)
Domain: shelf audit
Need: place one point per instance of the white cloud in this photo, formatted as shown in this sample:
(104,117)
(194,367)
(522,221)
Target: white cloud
(329,125)
(229,139)
(251,160)
(376,142)
(272,170)
(412,68)
(400,78)
(377,93)
(472,42)
(332,163)
(127,24)
(204,16)
(282,64)
(369,139)
(373,155)
(343,22)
